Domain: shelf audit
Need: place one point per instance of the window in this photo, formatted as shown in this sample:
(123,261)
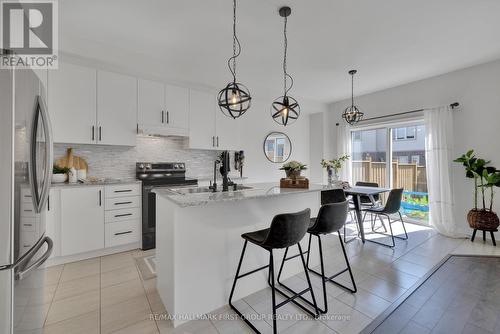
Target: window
(407,133)
(387,156)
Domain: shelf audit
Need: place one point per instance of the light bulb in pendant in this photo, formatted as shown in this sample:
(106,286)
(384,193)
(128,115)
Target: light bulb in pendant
(235,97)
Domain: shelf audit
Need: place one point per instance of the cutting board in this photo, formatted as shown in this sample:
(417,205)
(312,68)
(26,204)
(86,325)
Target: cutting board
(71,160)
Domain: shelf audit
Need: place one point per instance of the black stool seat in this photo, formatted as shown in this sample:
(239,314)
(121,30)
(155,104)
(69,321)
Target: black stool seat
(257,237)
(286,230)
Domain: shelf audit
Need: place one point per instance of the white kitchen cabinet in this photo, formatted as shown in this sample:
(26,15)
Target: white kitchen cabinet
(227,131)
(116,109)
(177,107)
(72,104)
(209,128)
(52,220)
(82,219)
(162,109)
(201,120)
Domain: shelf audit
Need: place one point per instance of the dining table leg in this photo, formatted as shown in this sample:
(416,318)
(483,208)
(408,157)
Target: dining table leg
(357,206)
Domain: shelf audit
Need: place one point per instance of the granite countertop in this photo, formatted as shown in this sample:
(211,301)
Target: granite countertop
(98,183)
(258,190)
(219,177)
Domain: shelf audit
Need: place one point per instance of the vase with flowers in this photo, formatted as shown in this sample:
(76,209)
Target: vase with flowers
(333,168)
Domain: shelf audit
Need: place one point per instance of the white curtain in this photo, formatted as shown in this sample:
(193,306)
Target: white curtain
(344,147)
(438,155)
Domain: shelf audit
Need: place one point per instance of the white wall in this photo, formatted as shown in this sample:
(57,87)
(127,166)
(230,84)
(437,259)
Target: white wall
(476,122)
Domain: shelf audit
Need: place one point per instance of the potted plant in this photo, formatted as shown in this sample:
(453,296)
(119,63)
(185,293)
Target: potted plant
(59,174)
(293,169)
(485,179)
(333,167)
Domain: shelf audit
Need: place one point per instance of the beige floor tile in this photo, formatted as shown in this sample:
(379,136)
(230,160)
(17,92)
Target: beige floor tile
(149,285)
(81,269)
(116,261)
(343,318)
(84,324)
(77,287)
(119,276)
(143,327)
(73,306)
(121,292)
(365,302)
(124,314)
(155,302)
(382,288)
(33,317)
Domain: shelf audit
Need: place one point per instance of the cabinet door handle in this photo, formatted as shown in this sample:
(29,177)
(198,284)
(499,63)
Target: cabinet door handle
(123,203)
(162,117)
(168,117)
(121,233)
(93,132)
(48,203)
(217,141)
(28,224)
(100,133)
(100,200)
(123,191)
(123,215)
(213,141)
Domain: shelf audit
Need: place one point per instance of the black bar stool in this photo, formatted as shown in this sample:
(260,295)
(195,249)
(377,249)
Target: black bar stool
(286,230)
(392,206)
(331,219)
(337,196)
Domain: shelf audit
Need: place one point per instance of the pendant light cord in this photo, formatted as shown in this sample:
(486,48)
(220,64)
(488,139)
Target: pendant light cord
(285,74)
(231,63)
(352,90)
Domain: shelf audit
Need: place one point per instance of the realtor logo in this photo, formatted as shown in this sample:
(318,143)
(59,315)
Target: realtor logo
(29,34)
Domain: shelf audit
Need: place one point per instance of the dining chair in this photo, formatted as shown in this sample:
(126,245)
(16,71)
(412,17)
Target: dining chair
(375,201)
(392,206)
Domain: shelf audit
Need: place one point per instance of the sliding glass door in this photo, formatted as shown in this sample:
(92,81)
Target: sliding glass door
(393,156)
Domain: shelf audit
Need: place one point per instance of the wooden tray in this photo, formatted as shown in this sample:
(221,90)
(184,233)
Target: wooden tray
(294,183)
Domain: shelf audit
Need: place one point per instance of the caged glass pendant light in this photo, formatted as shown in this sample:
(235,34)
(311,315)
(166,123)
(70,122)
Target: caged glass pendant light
(285,109)
(234,99)
(352,114)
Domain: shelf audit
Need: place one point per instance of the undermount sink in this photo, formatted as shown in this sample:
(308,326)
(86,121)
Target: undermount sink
(199,190)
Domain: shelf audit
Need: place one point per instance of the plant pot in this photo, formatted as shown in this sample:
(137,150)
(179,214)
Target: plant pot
(483,219)
(292,174)
(59,178)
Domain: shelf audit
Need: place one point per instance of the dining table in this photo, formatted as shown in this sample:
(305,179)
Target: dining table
(356,192)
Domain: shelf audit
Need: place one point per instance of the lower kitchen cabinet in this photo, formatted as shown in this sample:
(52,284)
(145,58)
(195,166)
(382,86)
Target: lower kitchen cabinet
(82,219)
(86,221)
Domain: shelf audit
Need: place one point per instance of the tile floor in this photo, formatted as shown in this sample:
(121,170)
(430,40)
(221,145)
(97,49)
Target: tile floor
(107,294)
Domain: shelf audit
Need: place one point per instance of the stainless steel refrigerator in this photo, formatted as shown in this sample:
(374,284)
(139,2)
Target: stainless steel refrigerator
(26,159)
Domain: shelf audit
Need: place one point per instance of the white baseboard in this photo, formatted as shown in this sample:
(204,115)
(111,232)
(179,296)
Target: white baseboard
(89,255)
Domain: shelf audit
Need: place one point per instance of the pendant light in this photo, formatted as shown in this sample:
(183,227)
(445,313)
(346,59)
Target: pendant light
(352,114)
(285,109)
(234,99)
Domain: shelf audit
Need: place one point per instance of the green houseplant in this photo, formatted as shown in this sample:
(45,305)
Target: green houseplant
(486,178)
(293,169)
(59,174)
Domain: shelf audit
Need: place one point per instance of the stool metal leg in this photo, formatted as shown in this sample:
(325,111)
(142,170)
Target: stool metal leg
(473,235)
(493,238)
(273,290)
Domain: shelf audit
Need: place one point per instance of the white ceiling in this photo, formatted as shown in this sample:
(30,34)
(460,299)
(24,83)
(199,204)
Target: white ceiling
(390,42)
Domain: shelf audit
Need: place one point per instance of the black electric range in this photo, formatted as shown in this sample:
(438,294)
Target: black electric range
(156,175)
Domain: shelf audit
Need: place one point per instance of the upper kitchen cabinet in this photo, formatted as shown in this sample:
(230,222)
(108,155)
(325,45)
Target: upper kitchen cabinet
(209,128)
(162,109)
(72,104)
(202,120)
(116,109)
(227,130)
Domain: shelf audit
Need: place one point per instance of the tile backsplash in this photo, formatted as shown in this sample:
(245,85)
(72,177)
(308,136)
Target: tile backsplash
(119,161)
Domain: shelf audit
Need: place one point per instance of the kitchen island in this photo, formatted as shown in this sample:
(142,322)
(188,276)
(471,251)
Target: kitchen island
(199,243)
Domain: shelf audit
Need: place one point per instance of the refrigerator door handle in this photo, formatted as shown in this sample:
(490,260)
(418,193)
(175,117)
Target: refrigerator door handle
(25,271)
(40,196)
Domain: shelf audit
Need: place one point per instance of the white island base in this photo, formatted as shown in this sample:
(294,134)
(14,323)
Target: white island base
(198,246)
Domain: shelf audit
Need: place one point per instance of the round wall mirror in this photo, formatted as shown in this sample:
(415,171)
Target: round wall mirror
(277,147)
